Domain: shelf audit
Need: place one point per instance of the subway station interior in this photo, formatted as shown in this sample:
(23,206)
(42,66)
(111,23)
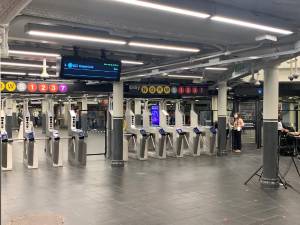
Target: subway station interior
(150,112)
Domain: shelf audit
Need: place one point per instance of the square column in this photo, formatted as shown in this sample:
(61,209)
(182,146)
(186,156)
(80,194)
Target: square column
(222,119)
(270,128)
(117,126)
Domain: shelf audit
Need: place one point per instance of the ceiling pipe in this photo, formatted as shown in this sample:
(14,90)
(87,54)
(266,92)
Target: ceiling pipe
(224,62)
(192,60)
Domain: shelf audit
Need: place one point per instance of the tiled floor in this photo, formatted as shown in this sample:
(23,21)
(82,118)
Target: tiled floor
(200,191)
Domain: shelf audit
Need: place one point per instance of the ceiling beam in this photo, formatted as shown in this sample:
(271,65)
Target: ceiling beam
(9,9)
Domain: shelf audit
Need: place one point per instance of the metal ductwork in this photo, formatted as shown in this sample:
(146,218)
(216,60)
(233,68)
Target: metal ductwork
(9,9)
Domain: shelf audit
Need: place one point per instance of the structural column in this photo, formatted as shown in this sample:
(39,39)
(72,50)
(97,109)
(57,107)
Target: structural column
(117,126)
(222,118)
(270,128)
(138,112)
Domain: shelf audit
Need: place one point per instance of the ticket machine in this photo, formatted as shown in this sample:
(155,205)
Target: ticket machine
(137,138)
(53,151)
(77,147)
(6,145)
(30,153)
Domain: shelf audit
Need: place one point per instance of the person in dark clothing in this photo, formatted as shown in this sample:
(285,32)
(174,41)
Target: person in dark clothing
(238,125)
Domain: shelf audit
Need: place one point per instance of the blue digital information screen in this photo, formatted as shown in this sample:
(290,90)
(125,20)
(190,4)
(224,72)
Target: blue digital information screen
(90,69)
(155,115)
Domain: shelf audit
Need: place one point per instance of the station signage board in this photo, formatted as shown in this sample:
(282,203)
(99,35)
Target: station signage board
(157,90)
(33,87)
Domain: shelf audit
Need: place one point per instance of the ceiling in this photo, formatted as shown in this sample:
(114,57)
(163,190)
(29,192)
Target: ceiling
(136,23)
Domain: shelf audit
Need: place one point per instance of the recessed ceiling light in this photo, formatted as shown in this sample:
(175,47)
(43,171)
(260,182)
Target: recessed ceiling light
(17,52)
(57,35)
(165,8)
(250,25)
(163,47)
(131,62)
(12,73)
(216,68)
(185,76)
(21,64)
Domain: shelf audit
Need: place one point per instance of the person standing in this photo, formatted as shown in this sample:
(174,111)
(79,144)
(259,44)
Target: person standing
(36,115)
(238,125)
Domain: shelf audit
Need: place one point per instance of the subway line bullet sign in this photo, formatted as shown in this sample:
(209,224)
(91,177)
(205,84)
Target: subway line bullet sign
(33,87)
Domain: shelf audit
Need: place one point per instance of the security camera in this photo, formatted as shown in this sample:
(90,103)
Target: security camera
(291,77)
(295,75)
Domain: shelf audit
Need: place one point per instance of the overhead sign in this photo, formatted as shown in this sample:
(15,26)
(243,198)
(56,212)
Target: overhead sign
(33,87)
(152,90)
(78,68)
(10,86)
(2,86)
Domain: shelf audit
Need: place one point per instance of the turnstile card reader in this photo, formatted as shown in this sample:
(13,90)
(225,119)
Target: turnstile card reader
(52,146)
(136,140)
(77,147)
(196,141)
(6,148)
(6,145)
(30,154)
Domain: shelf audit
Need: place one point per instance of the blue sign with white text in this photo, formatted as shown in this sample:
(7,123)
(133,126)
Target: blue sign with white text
(90,69)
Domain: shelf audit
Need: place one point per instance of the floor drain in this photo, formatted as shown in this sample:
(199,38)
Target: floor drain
(37,219)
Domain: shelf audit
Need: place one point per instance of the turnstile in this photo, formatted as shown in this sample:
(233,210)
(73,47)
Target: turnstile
(6,148)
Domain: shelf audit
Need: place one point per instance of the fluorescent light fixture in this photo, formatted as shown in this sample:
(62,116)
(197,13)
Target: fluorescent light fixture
(13,73)
(40,75)
(185,76)
(250,25)
(165,8)
(21,64)
(57,35)
(45,54)
(216,68)
(131,62)
(163,47)
(253,57)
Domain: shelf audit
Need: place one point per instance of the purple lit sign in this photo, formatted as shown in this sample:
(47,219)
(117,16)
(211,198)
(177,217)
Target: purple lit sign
(63,88)
(155,115)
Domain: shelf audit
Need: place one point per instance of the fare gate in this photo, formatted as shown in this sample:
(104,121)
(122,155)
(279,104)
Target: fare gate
(93,123)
